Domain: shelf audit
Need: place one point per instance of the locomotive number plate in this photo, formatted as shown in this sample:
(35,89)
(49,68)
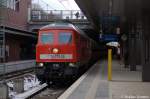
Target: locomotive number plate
(55,56)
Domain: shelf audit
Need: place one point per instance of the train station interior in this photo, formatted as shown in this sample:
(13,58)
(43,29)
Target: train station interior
(119,66)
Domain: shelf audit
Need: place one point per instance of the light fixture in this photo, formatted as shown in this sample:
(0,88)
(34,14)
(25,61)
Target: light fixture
(55,50)
(41,64)
(72,65)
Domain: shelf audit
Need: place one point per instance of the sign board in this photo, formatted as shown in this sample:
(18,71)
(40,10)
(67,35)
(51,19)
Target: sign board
(109,37)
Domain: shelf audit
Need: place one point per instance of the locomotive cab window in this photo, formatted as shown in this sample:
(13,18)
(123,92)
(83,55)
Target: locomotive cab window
(65,38)
(47,38)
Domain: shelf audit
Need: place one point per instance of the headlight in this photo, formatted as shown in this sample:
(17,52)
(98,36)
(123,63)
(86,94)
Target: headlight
(72,64)
(40,64)
(55,50)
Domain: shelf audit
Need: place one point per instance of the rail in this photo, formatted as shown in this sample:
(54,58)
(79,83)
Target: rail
(50,15)
(31,92)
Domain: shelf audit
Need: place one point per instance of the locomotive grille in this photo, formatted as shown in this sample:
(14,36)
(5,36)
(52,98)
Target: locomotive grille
(56,56)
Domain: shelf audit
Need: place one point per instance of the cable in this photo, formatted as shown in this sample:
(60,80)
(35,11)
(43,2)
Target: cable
(62,3)
(47,5)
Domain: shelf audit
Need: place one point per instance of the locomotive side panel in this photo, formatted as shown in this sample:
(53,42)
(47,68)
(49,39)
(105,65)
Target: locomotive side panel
(85,50)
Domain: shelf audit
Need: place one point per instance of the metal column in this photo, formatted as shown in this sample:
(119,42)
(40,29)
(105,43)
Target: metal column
(2,35)
(146,49)
(3,85)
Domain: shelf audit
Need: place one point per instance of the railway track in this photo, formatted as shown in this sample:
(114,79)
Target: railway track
(42,92)
(49,93)
(18,79)
(34,92)
(16,74)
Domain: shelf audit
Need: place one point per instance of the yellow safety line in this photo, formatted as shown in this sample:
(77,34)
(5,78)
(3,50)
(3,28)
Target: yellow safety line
(109,64)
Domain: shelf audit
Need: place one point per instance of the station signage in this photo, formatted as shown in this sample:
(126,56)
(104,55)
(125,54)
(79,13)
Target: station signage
(109,37)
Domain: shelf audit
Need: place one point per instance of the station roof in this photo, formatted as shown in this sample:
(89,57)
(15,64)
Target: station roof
(125,9)
(10,30)
(94,9)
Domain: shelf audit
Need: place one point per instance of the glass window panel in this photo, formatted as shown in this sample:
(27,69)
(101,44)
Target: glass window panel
(65,38)
(47,38)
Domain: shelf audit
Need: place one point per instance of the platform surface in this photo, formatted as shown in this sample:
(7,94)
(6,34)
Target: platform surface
(93,84)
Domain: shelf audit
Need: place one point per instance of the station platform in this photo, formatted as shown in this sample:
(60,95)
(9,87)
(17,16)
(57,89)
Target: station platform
(94,84)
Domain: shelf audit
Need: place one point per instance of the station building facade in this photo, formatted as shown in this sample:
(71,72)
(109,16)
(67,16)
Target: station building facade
(18,41)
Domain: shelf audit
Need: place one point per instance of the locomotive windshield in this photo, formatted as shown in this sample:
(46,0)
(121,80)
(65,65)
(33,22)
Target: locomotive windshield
(47,38)
(65,38)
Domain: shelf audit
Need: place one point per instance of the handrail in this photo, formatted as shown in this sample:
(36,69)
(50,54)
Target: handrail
(45,15)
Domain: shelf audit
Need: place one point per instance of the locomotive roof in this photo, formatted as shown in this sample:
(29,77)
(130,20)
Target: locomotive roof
(64,25)
(59,26)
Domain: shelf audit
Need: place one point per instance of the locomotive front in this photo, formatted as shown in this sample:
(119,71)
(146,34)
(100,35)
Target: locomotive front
(56,54)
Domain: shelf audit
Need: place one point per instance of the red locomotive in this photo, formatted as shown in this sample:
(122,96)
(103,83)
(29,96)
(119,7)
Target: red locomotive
(62,50)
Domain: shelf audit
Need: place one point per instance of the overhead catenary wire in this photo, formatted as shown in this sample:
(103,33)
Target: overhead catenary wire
(60,1)
(48,4)
(45,3)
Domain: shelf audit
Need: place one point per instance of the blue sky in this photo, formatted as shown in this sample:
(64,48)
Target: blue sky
(58,4)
